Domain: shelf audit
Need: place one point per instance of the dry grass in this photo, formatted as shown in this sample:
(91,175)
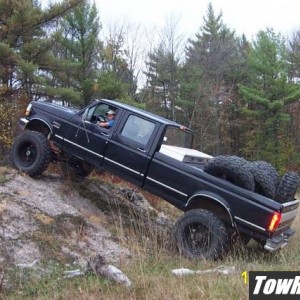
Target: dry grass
(150,271)
(3,172)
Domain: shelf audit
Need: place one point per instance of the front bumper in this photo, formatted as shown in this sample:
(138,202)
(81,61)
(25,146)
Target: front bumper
(23,122)
(279,241)
(21,125)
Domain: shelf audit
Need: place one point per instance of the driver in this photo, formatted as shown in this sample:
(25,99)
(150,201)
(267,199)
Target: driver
(110,119)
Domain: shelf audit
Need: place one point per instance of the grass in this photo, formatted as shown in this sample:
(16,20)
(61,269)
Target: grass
(3,172)
(152,278)
(150,270)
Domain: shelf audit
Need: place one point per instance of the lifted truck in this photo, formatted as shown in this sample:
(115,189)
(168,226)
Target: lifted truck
(155,154)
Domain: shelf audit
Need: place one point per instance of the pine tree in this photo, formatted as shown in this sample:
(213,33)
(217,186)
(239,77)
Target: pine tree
(116,79)
(266,96)
(163,74)
(24,58)
(214,64)
(24,46)
(161,86)
(294,75)
(79,45)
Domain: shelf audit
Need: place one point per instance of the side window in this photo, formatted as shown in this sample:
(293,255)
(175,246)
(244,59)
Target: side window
(99,113)
(138,130)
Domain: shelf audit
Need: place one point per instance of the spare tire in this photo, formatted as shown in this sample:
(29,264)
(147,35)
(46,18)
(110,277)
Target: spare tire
(264,181)
(233,169)
(287,187)
(269,169)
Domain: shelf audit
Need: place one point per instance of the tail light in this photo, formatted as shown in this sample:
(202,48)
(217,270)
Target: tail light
(275,221)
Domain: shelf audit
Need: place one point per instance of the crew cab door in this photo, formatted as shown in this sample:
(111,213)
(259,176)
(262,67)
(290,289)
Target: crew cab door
(128,152)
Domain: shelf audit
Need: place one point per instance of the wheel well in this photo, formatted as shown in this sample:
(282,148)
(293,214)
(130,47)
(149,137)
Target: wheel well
(39,126)
(212,205)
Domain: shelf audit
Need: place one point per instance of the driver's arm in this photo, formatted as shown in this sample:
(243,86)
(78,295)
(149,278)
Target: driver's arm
(103,124)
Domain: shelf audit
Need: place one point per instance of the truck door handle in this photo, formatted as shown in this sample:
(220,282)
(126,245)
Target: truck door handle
(105,134)
(141,150)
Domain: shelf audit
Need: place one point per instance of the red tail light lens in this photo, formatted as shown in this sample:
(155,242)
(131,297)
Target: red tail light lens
(275,221)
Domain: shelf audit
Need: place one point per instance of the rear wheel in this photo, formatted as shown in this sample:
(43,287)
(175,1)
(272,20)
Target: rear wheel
(199,233)
(31,153)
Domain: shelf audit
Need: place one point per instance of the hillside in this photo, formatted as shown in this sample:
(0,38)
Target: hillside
(49,225)
(51,219)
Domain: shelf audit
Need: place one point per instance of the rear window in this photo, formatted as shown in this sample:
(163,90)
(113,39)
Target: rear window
(178,136)
(138,129)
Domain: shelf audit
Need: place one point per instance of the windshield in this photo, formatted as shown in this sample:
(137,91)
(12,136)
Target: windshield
(178,136)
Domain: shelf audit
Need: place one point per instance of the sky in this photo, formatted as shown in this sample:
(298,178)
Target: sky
(243,16)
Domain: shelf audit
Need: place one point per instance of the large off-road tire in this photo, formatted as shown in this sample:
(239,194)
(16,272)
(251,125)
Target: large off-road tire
(233,169)
(199,233)
(269,169)
(264,181)
(31,153)
(75,169)
(287,187)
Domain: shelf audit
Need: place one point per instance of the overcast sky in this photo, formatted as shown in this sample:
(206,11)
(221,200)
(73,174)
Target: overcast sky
(244,16)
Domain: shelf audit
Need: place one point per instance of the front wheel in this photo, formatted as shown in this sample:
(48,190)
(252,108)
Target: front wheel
(31,153)
(199,233)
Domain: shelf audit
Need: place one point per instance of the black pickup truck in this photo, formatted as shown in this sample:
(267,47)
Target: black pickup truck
(156,154)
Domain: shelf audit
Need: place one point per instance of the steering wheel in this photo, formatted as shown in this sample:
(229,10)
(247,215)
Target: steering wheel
(100,118)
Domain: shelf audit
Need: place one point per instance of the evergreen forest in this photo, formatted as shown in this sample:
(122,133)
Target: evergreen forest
(241,97)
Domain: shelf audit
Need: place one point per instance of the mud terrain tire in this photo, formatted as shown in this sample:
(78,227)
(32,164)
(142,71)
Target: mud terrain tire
(269,169)
(233,169)
(287,187)
(31,153)
(264,181)
(199,233)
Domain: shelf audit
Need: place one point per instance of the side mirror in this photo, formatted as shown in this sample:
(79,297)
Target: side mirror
(85,115)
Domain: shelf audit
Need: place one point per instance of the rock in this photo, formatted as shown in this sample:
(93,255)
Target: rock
(100,268)
(47,219)
(225,270)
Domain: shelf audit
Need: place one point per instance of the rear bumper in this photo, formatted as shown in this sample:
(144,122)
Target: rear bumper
(279,241)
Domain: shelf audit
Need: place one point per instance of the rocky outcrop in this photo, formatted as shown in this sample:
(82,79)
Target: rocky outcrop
(52,220)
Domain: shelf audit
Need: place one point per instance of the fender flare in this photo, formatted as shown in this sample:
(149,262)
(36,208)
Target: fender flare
(215,198)
(29,123)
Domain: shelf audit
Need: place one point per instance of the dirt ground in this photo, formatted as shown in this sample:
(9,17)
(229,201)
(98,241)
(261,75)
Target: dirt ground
(48,219)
